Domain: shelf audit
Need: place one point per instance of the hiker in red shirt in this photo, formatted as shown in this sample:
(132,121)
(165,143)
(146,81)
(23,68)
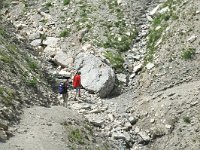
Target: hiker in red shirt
(77,84)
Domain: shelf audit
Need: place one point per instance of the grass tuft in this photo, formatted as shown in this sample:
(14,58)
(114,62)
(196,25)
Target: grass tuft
(188,53)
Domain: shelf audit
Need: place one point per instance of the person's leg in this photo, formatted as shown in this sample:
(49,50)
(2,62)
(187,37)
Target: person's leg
(76,91)
(79,91)
(64,99)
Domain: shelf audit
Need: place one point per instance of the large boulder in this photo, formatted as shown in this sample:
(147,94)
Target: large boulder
(62,59)
(96,76)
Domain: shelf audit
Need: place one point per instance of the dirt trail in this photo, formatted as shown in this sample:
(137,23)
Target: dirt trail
(40,129)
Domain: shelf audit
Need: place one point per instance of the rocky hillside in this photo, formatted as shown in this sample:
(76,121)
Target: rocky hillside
(23,81)
(169,91)
(146,52)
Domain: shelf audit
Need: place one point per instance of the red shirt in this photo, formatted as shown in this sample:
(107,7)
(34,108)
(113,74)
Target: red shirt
(77,81)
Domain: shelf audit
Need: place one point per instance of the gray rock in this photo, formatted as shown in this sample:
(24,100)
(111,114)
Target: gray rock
(137,57)
(127,136)
(3,124)
(97,122)
(164,10)
(62,58)
(118,135)
(78,106)
(50,51)
(132,76)
(51,41)
(149,66)
(153,12)
(3,135)
(96,75)
(137,68)
(192,38)
(132,120)
(36,42)
(34,36)
(127,125)
(144,136)
(121,77)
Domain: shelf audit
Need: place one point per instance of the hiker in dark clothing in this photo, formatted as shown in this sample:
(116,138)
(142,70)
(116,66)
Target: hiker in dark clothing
(65,94)
(63,90)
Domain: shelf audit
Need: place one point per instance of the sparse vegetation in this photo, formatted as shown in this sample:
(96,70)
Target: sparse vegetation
(157,132)
(32,64)
(2,32)
(76,136)
(66,2)
(186,119)
(188,53)
(157,33)
(64,33)
(7,95)
(5,57)
(115,59)
(32,82)
(48,4)
(124,34)
(154,36)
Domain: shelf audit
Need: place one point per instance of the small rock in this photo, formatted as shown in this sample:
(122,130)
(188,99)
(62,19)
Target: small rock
(137,129)
(157,28)
(192,38)
(3,124)
(86,46)
(121,77)
(154,10)
(168,126)
(137,57)
(152,120)
(97,122)
(194,103)
(197,12)
(164,10)
(3,135)
(36,42)
(127,125)
(149,18)
(132,76)
(137,68)
(119,2)
(144,136)
(132,120)
(149,66)
(110,116)
(118,136)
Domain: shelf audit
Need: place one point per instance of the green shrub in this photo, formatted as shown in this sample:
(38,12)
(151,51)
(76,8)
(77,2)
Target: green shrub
(33,65)
(31,82)
(66,2)
(159,20)
(2,32)
(7,96)
(187,120)
(48,4)
(64,33)
(154,36)
(188,53)
(4,56)
(43,37)
(120,45)
(161,17)
(116,60)
(76,136)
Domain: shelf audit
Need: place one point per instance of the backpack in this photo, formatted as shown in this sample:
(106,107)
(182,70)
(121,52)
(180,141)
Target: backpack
(61,88)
